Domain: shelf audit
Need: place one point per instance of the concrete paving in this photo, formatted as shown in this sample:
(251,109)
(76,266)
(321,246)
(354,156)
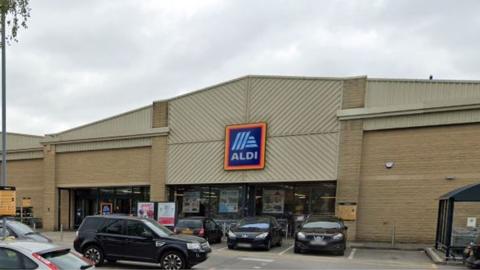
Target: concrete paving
(373,257)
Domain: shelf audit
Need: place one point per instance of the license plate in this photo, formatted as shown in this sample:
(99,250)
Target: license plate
(318,243)
(187,232)
(244,245)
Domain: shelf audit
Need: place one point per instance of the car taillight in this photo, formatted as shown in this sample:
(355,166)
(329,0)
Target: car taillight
(202,232)
(48,263)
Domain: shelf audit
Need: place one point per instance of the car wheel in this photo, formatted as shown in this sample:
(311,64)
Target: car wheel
(219,239)
(231,247)
(173,260)
(297,250)
(95,254)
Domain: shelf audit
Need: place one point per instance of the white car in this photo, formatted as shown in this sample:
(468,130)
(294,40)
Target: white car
(45,256)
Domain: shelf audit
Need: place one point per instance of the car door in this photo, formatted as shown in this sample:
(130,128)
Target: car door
(113,239)
(141,241)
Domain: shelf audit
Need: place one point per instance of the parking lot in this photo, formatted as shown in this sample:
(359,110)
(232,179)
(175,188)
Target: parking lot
(284,258)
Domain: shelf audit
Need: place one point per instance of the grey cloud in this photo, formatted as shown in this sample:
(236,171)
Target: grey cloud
(81,61)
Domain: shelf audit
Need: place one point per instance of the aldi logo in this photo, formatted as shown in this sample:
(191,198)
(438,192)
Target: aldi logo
(245,146)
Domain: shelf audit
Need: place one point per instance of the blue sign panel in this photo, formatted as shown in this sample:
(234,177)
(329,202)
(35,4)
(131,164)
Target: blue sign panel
(245,147)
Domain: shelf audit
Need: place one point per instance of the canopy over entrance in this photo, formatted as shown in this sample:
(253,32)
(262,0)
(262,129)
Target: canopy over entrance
(446,205)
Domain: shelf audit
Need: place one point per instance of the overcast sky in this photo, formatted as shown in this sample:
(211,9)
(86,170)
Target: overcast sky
(81,61)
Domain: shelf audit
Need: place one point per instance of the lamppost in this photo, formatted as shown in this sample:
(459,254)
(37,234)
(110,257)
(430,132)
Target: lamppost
(3,176)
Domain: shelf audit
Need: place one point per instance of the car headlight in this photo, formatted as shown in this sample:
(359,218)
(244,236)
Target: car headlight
(301,236)
(195,245)
(231,235)
(262,235)
(338,236)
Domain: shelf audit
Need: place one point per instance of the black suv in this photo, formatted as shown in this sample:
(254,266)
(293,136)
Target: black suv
(114,238)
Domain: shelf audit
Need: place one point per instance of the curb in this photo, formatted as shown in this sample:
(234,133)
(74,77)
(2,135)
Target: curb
(436,259)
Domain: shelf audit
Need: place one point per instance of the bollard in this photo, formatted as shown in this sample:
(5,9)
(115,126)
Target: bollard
(393,235)
(61,232)
(34,226)
(286,233)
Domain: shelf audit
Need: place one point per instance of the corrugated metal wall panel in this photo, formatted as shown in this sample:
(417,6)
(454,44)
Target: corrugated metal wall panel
(302,132)
(430,119)
(134,122)
(289,158)
(384,93)
(198,163)
(204,115)
(102,145)
(295,106)
(299,158)
(25,155)
(20,141)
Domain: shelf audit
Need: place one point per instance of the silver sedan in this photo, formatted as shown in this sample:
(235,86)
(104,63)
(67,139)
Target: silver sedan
(45,256)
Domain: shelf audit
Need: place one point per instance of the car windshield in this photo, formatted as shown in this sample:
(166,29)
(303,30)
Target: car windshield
(190,223)
(19,228)
(322,225)
(63,259)
(254,224)
(160,230)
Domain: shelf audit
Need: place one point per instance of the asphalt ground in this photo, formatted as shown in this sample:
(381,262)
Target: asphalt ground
(284,258)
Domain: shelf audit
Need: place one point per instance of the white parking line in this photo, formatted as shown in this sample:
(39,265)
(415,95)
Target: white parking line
(283,252)
(352,253)
(219,249)
(255,260)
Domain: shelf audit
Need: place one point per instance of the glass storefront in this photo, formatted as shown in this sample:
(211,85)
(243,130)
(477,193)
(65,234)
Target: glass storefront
(288,202)
(87,201)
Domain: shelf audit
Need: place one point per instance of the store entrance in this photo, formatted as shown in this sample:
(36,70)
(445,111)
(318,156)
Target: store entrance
(120,200)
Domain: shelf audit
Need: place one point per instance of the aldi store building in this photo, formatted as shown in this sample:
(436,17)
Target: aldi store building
(376,152)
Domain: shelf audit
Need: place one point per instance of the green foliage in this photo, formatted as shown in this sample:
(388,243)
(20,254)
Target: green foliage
(17,13)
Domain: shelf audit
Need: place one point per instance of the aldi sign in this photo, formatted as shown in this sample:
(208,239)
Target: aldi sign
(245,146)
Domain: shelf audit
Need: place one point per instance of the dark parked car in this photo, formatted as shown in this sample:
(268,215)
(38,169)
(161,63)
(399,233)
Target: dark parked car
(320,233)
(22,232)
(255,232)
(200,226)
(114,238)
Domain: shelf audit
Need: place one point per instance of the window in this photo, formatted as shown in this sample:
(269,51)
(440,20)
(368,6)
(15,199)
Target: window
(91,224)
(10,259)
(115,227)
(135,228)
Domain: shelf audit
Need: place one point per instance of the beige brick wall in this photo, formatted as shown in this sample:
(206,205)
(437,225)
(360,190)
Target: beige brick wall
(354,93)
(350,150)
(104,168)
(49,217)
(348,182)
(27,177)
(462,211)
(160,114)
(157,169)
(407,195)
